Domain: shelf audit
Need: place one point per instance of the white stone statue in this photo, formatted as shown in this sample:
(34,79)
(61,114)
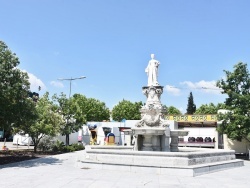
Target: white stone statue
(152,71)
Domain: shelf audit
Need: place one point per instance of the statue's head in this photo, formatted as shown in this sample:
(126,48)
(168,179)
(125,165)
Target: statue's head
(152,56)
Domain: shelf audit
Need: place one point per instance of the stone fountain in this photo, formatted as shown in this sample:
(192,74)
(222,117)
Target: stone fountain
(156,146)
(152,132)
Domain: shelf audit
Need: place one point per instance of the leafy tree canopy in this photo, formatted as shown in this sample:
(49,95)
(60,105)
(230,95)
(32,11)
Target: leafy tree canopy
(209,108)
(14,87)
(171,110)
(191,107)
(127,110)
(236,85)
(47,120)
(72,115)
(92,109)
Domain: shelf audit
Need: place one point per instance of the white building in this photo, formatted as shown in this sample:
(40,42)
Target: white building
(199,126)
(95,132)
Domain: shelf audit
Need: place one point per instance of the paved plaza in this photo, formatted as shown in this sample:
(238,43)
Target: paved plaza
(63,171)
(10,146)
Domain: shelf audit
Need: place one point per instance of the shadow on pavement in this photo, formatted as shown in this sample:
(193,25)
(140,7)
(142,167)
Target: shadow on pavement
(34,162)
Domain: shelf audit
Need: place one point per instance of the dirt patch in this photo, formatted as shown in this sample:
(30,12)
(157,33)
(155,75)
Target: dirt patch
(12,156)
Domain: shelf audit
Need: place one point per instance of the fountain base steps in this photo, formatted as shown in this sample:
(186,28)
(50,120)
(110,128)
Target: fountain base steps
(186,162)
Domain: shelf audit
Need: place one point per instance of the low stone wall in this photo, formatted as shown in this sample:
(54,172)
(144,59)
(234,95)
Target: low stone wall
(186,162)
(109,147)
(185,157)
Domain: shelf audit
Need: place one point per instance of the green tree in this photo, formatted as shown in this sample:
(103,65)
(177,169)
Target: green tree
(171,110)
(127,110)
(191,107)
(236,85)
(209,108)
(14,88)
(93,109)
(221,106)
(71,113)
(47,121)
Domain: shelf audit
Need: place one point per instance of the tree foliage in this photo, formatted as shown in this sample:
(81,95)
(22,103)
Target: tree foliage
(92,109)
(72,115)
(191,107)
(236,85)
(209,108)
(47,121)
(171,110)
(14,87)
(127,110)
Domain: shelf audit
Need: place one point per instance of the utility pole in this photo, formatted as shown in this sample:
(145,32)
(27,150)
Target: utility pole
(70,80)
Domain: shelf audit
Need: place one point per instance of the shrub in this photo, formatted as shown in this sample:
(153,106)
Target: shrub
(78,147)
(69,149)
(58,146)
(46,144)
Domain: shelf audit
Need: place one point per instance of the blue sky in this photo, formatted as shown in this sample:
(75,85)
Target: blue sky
(110,43)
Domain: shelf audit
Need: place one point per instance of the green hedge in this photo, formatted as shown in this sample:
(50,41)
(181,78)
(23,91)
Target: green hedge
(60,147)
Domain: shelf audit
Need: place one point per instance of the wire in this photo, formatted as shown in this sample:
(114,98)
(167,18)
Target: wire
(207,88)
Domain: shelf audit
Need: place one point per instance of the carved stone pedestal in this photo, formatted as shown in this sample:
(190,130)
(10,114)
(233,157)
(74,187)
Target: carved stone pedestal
(152,132)
(147,143)
(151,139)
(174,139)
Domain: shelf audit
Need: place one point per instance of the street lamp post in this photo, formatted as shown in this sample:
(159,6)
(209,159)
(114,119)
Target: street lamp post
(70,80)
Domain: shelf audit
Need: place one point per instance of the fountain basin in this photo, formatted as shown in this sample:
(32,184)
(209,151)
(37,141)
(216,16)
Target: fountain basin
(178,133)
(174,139)
(148,131)
(188,161)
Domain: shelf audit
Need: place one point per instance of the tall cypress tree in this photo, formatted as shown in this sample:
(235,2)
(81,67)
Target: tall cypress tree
(191,107)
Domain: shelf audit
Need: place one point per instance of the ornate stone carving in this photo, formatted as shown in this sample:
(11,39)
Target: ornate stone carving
(152,127)
(152,132)
(153,110)
(153,94)
(152,117)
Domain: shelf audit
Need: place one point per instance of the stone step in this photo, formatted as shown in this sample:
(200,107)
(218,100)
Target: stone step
(194,170)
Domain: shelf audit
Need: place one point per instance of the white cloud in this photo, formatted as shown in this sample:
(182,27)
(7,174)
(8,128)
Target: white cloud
(172,90)
(203,86)
(182,110)
(35,82)
(57,84)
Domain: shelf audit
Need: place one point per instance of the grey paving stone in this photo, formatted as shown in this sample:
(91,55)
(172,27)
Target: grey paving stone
(62,171)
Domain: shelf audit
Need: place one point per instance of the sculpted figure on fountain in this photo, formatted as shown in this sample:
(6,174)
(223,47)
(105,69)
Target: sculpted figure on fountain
(152,71)
(153,111)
